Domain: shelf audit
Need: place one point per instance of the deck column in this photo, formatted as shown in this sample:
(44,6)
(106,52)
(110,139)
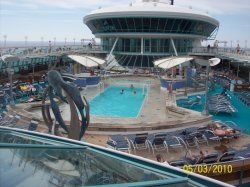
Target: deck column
(172,42)
(141,45)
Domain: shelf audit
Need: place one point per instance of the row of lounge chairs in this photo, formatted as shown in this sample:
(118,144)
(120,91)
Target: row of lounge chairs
(220,104)
(244,97)
(13,121)
(217,157)
(181,139)
(211,158)
(190,103)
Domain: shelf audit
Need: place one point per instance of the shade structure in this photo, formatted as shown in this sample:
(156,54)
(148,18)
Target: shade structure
(9,58)
(167,63)
(87,61)
(209,62)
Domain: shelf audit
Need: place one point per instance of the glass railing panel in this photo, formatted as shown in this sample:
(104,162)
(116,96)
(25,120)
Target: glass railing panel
(70,167)
(19,138)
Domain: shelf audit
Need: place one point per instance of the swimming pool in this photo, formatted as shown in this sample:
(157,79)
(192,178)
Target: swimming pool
(241,118)
(111,103)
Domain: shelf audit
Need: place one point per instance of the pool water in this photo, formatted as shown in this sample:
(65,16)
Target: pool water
(241,118)
(111,103)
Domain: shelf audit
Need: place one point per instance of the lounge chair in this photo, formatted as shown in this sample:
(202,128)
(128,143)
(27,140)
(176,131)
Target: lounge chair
(210,136)
(118,142)
(139,141)
(210,158)
(200,138)
(158,142)
(178,163)
(31,126)
(190,141)
(247,155)
(227,156)
(234,126)
(175,142)
(10,120)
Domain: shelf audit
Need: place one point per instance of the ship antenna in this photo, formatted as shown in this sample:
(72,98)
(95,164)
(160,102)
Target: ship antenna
(172,2)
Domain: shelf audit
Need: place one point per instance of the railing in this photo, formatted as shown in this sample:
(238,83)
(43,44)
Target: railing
(243,54)
(25,51)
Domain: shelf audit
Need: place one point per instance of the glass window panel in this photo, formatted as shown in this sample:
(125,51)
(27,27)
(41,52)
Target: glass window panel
(123,24)
(154,45)
(116,25)
(127,45)
(154,24)
(169,25)
(147,45)
(138,24)
(161,24)
(182,25)
(131,24)
(176,25)
(132,45)
(146,24)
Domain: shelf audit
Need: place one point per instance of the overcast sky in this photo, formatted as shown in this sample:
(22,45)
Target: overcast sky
(63,18)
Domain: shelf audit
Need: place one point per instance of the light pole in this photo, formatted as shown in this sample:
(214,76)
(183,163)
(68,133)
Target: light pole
(211,62)
(54,41)
(42,41)
(74,41)
(5,39)
(245,44)
(26,40)
(9,59)
(65,40)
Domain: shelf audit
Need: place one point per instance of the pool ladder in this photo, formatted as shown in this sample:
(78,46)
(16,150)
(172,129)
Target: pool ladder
(101,87)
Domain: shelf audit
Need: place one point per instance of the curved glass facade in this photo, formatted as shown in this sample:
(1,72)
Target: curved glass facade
(150,45)
(152,25)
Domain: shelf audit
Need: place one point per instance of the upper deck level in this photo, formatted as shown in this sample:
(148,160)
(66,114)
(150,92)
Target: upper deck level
(156,18)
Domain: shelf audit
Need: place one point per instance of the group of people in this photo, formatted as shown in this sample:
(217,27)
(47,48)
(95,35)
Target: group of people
(132,87)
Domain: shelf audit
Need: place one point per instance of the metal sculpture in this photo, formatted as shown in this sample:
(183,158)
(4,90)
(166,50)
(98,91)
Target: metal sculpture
(75,101)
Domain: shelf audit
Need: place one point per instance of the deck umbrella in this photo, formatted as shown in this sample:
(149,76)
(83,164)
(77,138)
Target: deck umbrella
(87,61)
(169,62)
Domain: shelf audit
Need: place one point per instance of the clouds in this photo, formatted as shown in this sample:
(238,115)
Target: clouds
(65,4)
(218,7)
(65,16)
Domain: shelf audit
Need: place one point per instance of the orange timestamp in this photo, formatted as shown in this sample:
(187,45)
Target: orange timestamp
(204,168)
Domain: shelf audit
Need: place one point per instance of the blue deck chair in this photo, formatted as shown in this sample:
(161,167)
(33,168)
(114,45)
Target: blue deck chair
(227,156)
(175,143)
(32,126)
(210,158)
(210,136)
(118,142)
(178,163)
(158,142)
(139,141)
(10,120)
(189,140)
(199,137)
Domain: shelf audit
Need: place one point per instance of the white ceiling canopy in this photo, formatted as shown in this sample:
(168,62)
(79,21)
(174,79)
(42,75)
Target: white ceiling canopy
(87,61)
(167,63)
